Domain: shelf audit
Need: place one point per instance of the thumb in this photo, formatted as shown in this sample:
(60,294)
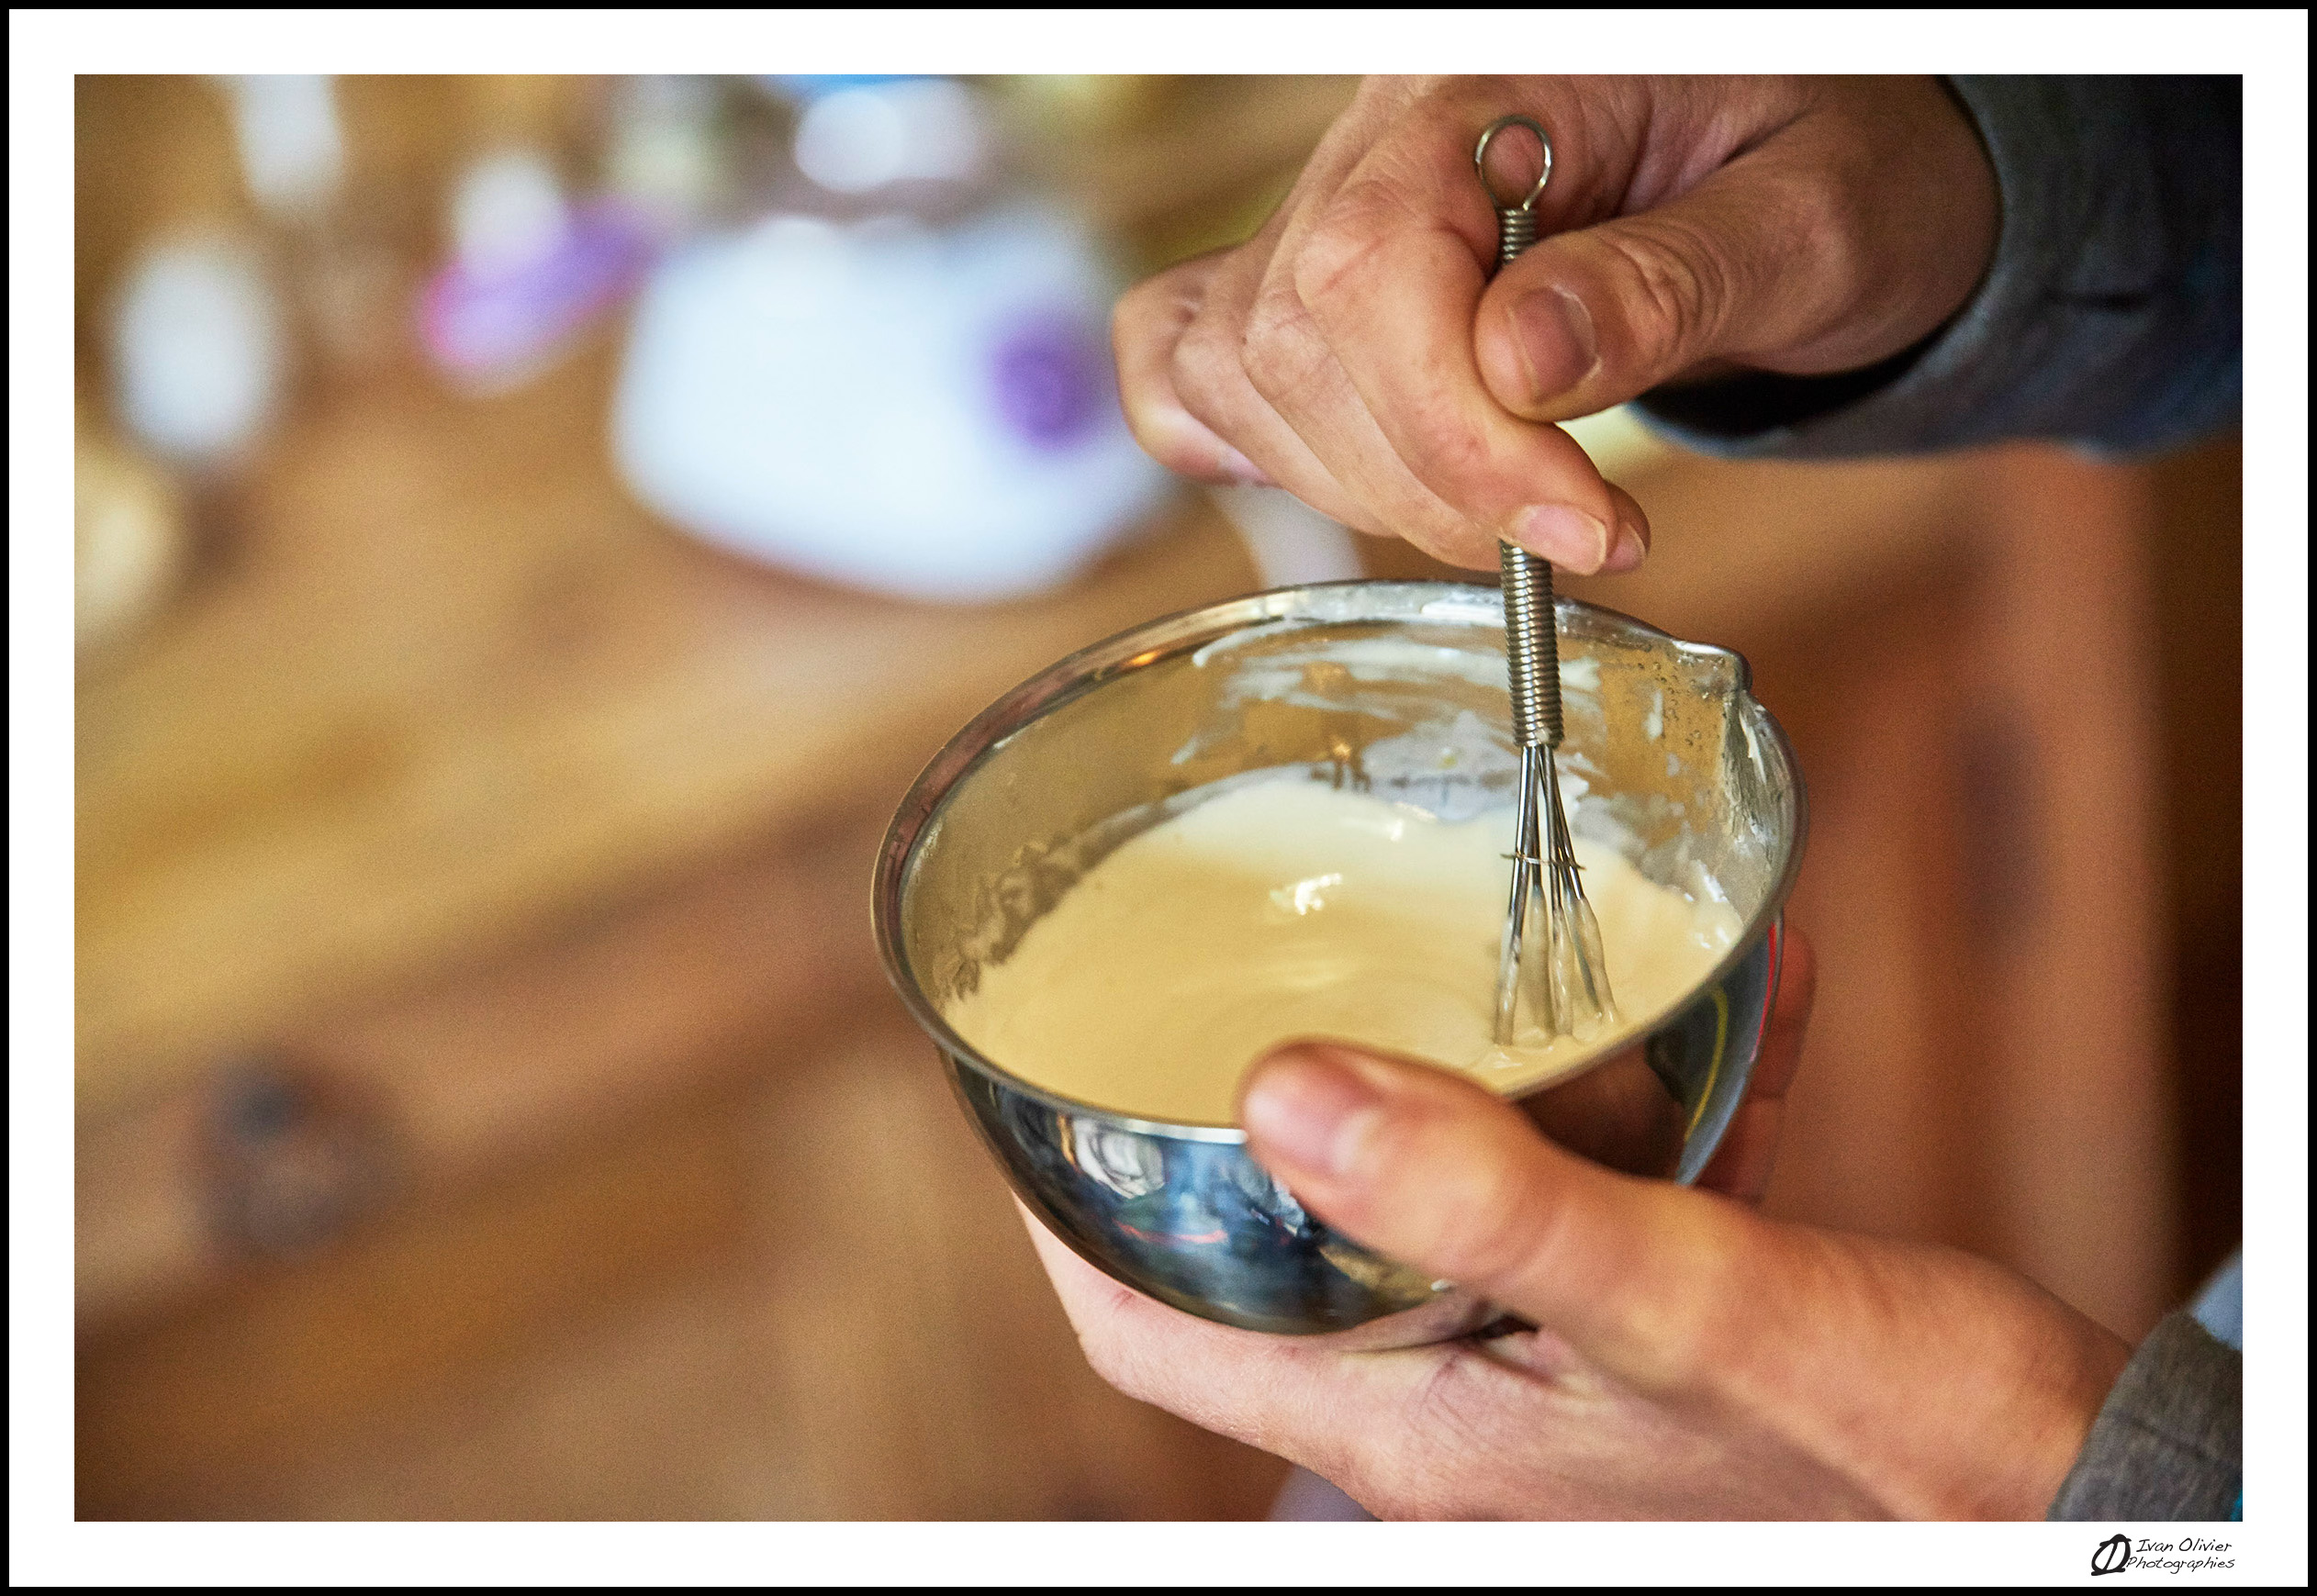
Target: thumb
(1431,1169)
(1591,318)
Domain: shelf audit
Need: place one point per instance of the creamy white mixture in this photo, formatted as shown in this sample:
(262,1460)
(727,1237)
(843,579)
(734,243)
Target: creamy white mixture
(1289,910)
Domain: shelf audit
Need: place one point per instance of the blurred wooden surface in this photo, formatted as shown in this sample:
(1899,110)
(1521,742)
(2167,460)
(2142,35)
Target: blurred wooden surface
(531,841)
(448,679)
(805,1298)
(476,869)
(545,836)
(452,682)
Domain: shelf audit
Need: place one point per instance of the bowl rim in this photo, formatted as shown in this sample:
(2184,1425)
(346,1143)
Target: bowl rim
(1157,640)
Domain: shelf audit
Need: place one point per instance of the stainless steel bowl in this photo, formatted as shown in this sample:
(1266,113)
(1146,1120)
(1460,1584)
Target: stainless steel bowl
(1395,687)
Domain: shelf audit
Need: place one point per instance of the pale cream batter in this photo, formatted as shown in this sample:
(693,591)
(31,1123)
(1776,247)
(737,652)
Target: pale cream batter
(1291,909)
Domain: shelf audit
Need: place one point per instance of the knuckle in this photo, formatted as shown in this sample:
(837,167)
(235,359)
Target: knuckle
(1282,356)
(1499,1244)
(1675,282)
(1454,453)
(1168,434)
(1834,217)
(1204,367)
(1683,1345)
(1150,435)
(1142,308)
(1174,446)
(1268,351)
(1157,308)
(1455,1415)
(1349,228)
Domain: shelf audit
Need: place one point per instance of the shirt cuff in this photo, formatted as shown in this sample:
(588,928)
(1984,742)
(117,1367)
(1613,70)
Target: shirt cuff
(2169,1440)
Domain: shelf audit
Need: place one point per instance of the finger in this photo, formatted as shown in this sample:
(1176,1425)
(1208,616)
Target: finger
(1591,318)
(1209,375)
(1631,545)
(1805,253)
(1288,364)
(1271,1391)
(1206,369)
(1149,322)
(1390,280)
(1429,1168)
(1298,377)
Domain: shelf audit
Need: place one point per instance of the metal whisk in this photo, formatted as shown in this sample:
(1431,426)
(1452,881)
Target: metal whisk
(1573,996)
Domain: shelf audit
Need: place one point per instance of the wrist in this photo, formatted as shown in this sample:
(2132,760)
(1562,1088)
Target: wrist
(2023,1476)
(2009,1446)
(1939,1384)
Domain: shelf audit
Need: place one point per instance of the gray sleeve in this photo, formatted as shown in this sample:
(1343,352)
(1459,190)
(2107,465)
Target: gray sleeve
(2168,1442)
(2111,316)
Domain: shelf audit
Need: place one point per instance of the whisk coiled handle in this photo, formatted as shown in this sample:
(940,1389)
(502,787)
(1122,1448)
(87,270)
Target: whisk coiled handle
(1532,651)
(1515,230)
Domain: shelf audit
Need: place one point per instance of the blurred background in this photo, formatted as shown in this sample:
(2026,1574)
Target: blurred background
(530,532)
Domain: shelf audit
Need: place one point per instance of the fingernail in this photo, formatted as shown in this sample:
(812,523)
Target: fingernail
(1309,1110)
(1563,534)
(1239,468)
(1553,332)
(1630,550)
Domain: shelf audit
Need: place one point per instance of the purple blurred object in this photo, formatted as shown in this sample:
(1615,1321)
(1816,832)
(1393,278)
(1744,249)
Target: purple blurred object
(1051,378)
(496,328)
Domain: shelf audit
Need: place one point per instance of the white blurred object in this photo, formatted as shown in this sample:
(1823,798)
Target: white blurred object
(198,348)
(335,262)
(1289,543)
(859,138)
(293,148)
(507,213)
(924,413)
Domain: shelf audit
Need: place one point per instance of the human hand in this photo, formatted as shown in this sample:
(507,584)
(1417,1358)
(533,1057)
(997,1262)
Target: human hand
(1355,353)
(1693,1360)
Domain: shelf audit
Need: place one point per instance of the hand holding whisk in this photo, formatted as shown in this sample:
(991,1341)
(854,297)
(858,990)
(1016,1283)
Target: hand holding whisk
(1574,992)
